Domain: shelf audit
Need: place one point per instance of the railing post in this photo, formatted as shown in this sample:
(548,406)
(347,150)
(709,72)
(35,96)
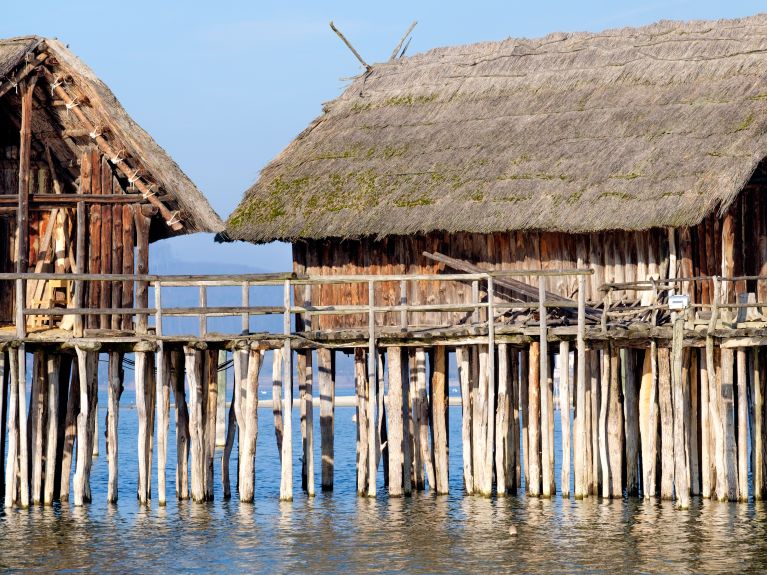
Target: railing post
(372,388)
(403,302)
(203,317)
(21,320)
(158,308)
(245,303)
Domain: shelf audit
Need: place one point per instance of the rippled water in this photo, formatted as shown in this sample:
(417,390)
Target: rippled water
(341,533)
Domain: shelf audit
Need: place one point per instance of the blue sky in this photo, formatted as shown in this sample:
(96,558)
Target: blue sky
(225,85)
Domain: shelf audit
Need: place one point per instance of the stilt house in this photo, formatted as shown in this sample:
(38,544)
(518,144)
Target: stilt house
(637,152)
(82,187)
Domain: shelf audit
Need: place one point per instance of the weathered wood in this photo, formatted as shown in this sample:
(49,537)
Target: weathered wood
(692,435)
(478,406)
(163,419)
(286,480)
(580,459)
(502,422)
(209,411)
(681,485)
(631,420)
(648,419)
(395,427)
(439,418)
(665,403)
(23,441)
(141,368)
(706,455)
(87,363)
(182,426)
(596,435)
(70,432)
(604,456)
(547,469)
(250,435)
(564,413)
(361,375)
(727,416)
(114,391)
(759,427)
(326,371)
(4,379)
(194,372)
(534,423)
(11,468)
(221,401)
(486,435)
(306,379)
(25,151)
(51,442)
(277,359)
(37,410)
(515,414)
(524,409)
(742,402)
(615,425)
(141,224)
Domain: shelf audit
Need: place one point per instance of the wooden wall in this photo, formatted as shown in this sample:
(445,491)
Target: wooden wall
(617,256)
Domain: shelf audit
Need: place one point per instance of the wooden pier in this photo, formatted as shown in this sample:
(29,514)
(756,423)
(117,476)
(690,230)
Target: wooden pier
(653,401)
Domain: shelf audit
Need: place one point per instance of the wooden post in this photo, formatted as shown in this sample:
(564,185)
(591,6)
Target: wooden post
(182,426)
(596,428)
(564,413)
(742,426)
(23,445)
(692,420)
(615,425)
(759,430)
(681,484)
(37,422)
(395,427)
(360,370)
(70,432)
(631,420)
(665,403)
(486,431)
(515,413)
(286,479)
(142,492)
(86,367)
(232,424)
(604,455)
(249,438)
(221,402)
(307,423)
(524,408)
(534,423)
(546,447)
(22,222)
(11,474)
(407,437)
(4,379)
(581,462)
(706,459)
(194,373)
(277,396)
(326,371)
(502,426)
(163,418)
(209,410)
(728,491)
(114,392)
(439,418)
(142,224)
(648,419)
(373,440)
(478,406)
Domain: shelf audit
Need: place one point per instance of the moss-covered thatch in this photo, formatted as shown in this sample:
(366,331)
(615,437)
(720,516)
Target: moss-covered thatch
(176,190)
(625,129)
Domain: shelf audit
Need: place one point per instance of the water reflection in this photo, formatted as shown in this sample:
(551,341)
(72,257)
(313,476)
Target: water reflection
(341,533)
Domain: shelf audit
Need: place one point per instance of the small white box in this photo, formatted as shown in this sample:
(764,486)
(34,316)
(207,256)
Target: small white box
(676,302)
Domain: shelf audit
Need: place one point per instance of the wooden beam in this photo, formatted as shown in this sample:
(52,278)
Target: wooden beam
(16,79)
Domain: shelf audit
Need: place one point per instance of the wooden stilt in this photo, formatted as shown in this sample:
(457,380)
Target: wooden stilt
(487,422)
(221,403)
(478,405)
(240,362)
(681,485)
(308,427)
(705,428)
(210,411)
(464,378)
(742,402)
(407,437)
(439,418)
(759,430)
(301,372)
(648,419)
(564,413)
(373,442)
(604,455)
(277,358)
(524,373)
(615,425)
(51,444)
(163,419)
(114,392)
(361,375)
(580,461)
(84,426)
(70,431)
(665,403)
(23,430)
(727,416)
(286,479)
(502,424)
(231,431)
(194,372)
(11,474)
(534,423)
(550,426)
(631,420)
(395,427)
(546,447)
(142,492)
(250,435)
(4,379)
(693,419)
(514,432)
(326,371)
(588,461)
(37,408)
(182,426)
(596,435)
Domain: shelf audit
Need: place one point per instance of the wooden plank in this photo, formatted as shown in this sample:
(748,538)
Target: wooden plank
(105,295)
(141,224)
(128,244)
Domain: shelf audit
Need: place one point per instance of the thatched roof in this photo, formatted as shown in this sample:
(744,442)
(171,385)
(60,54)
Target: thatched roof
(625,129)
(176,190)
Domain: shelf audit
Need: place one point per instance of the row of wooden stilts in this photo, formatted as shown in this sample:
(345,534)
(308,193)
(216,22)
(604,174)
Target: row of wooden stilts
(662,420)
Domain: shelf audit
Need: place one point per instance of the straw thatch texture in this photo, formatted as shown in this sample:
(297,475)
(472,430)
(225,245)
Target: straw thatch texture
(624,129)
(178,192)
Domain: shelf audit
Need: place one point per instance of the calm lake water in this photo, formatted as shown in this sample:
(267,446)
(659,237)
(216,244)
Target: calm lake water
(341,533)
